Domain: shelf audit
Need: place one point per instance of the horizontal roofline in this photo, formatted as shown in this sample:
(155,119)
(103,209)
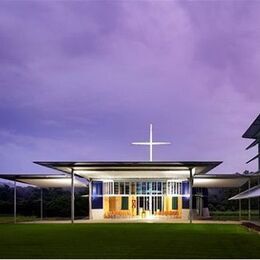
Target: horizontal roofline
(128,163)
(67,166)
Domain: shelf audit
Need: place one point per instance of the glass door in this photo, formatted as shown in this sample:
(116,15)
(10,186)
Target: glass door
(156,204)
(148,205)
(144,205)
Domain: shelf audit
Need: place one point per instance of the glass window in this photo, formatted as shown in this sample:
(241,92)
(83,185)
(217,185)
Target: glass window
(139,187)
(108,187)
(164,187)
(179,188)
(122,188)
(116,187)
(126,187)
(133,188)
(143,187)
(149,188)
(159,186)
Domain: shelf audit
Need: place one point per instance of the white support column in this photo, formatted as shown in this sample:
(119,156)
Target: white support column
(72,196)
(249,201)
(190,202)
(90,199)
(41,205)
(150,205)
(239,205)
(14,200)
(259,180)
(259,197)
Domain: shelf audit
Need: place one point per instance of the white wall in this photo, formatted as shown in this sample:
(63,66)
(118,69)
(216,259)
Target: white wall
(185,214)
(97,213)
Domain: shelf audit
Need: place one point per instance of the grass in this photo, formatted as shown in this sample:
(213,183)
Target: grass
(128,241)
(4,219)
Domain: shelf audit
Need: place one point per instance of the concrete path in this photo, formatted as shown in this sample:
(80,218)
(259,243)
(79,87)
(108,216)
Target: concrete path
(173,221)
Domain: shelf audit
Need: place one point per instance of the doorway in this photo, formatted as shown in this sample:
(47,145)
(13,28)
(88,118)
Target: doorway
(149,205)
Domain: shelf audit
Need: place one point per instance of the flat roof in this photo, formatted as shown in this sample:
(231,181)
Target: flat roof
(44,180)
(132,169)
(250,193)
(64,181)
(220,180)
(253,132)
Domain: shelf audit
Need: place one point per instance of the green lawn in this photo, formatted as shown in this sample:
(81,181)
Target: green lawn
(10,219)
(128,241)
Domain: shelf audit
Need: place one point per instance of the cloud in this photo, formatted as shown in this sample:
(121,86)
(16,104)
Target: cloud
(88,77)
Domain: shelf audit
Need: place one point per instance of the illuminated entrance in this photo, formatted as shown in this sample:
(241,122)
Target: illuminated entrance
(149,205)
(144,198)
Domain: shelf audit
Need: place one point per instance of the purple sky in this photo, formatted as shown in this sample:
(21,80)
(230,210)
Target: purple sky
(82,80)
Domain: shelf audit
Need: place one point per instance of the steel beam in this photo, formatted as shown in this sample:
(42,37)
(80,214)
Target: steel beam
(249,201)
(72,196)
(258,157)
(239,205)
(259,180)
(14,200)
(190,202)
(41,204)
(90,199)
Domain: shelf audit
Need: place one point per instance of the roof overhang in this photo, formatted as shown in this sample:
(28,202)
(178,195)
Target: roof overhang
(220,181)
(250,193)
(44,181)
(136,170)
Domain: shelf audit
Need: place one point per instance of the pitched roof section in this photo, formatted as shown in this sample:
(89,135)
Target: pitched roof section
(253,132)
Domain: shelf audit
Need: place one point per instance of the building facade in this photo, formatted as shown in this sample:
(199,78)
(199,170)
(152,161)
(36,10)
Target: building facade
(146,198)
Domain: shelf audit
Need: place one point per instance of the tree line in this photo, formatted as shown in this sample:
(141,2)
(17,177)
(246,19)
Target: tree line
(56,201)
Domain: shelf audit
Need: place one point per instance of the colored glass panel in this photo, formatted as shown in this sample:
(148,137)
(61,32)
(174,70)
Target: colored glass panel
(174,202)
(124,203)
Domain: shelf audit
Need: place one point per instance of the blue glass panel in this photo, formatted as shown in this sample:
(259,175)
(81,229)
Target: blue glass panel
(185,190)
(205,197)
(185,187)
(97,188)
(97,195)
(185,202)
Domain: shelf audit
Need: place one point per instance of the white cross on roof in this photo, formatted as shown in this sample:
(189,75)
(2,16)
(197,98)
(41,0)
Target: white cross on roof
(151,143)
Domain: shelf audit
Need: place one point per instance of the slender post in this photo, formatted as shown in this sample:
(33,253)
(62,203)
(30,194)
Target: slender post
(151,142)
(259,198)
(249,201)
(41,205)
(14,200)
(190,202)
(89,198)
(72,196)
(239,205)
(259,157)
(258,180)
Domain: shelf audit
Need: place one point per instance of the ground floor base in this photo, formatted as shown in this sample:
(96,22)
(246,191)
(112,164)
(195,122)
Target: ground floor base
(147,207)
